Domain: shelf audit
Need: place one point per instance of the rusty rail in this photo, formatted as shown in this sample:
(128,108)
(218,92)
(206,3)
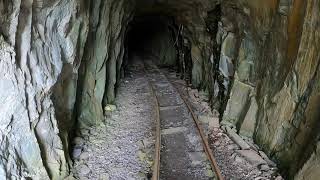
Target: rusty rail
(204,139)
(156,167)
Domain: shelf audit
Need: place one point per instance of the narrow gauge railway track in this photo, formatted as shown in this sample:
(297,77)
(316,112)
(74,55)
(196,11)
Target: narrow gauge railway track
(158,99)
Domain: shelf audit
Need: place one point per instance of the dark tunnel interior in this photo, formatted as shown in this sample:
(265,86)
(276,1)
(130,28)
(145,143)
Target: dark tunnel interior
(153,37)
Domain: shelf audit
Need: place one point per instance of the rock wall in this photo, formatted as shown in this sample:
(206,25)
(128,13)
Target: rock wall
(275,92)
(42,46)
(39,40)
(60,61)
(259,62)
(103,58)
(289,95)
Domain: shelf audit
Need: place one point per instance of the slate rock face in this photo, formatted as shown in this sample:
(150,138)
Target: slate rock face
(269,47)
(277,58)
(42,46)
(103,56)
(60,61)
(36,42)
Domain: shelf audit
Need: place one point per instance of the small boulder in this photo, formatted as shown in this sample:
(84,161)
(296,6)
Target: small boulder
(214,123)
(84,169)
(252,157)
(264,168)
(236,138)
(266,158)
(78,141)
(110,108)
(76,152)
(84,156)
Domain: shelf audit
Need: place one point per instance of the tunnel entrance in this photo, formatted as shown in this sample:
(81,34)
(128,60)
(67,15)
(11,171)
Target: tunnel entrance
(152,37)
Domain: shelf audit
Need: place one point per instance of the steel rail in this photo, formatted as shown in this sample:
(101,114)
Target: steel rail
(156,165)
(204,139)
(205,143)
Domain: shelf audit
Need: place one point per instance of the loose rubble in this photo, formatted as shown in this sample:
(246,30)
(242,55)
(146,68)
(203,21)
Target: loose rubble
(238,157)
(122,147)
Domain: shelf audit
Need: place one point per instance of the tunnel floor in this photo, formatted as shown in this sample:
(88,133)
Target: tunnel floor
(123,146)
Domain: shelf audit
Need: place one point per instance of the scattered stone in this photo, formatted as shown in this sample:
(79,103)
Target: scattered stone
(76,152)
(237,139)
(215,113)
(239,159)
(214,123)
(78,141)
(84,169)
(97,141)
(205,119)
(205,104)
(84,156)
(142,175)
(113,148)
(278,178)
(232,147)
(261,178)
(210,173)
(110,108)
(104,176)
(224,127)
(252,157)
(219,134)
(84,132)
(266,158)
(253,146)
(147,143)
(142,156)
(264,167)
(234,166)
(94,133)
(70,177)
(217,143)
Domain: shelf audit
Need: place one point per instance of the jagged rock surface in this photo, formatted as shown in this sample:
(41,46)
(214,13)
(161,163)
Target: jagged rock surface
(278,65)
(42,46)
(103,57)
(60,61)
(39,39)
(260,64)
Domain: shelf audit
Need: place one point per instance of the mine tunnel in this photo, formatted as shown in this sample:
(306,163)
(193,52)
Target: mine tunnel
(159,89)
(152,36)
